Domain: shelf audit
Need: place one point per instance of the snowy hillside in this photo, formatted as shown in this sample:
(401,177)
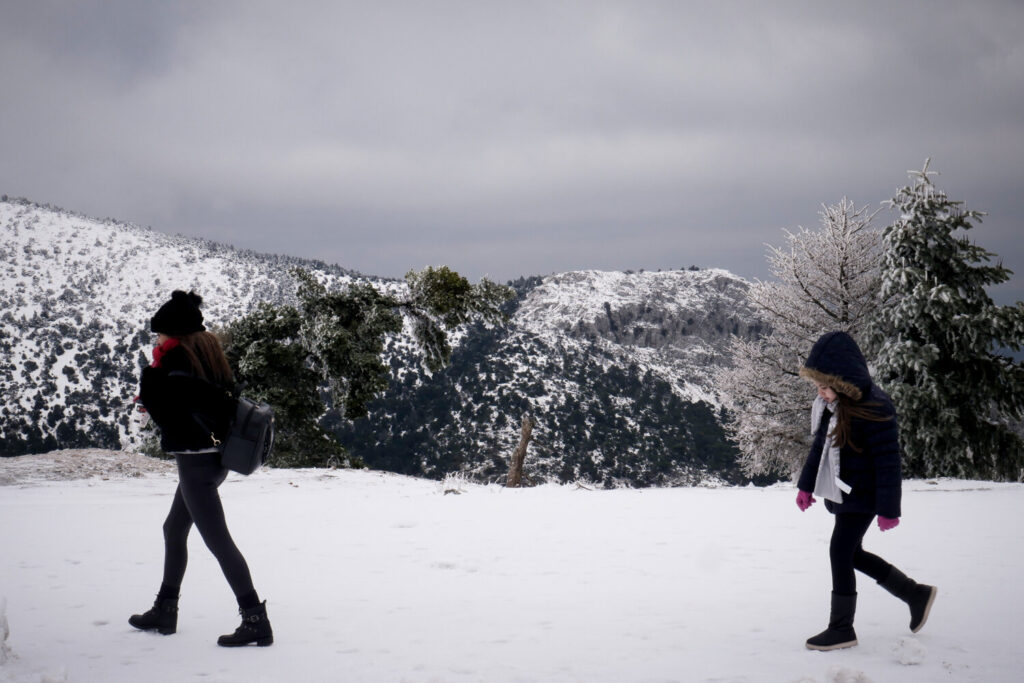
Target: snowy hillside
(613,366)
(554,583)
(673,323)
(76,301)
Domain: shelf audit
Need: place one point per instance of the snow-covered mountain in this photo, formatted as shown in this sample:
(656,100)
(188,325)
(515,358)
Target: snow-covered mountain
(673,323)
(614,367)
(77,296)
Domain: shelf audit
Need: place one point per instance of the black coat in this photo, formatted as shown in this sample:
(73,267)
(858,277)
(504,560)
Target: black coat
(874,473)
(190,413)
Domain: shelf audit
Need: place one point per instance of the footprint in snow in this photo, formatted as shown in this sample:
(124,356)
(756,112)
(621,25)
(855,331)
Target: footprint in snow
(909,651)
(842,674)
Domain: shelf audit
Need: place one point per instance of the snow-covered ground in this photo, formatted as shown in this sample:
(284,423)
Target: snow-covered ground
(378,577)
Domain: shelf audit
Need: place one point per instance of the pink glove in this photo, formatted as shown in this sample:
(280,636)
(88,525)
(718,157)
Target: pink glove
(804,500)
(886,523)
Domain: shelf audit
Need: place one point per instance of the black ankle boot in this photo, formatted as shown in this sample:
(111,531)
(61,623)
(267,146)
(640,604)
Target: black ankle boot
(839,633)
(161,617)
(255,628)
(918,596)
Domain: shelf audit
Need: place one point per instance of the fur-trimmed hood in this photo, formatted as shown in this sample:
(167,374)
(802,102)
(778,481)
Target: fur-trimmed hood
(836,361)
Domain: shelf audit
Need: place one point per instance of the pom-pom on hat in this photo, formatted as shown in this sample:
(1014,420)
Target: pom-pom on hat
(179,316)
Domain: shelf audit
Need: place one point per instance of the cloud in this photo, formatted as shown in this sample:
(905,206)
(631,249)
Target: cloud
(508,138)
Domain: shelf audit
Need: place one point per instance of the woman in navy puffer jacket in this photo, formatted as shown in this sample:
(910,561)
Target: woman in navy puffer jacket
(854,464)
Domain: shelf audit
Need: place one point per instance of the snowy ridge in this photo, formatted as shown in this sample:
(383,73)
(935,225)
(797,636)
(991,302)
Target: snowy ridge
(77,297)
(671,323)
(567,300)
(107,269)
(615,367)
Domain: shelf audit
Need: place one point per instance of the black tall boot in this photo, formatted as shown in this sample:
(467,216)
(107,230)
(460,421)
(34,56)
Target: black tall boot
(255,628)
(162,617)
(839,633)
(918,596)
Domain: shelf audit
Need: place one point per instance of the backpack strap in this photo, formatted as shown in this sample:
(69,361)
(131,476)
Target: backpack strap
(233,392)
(197,417)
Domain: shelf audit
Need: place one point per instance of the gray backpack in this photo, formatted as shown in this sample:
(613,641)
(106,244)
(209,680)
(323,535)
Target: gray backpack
(251,438)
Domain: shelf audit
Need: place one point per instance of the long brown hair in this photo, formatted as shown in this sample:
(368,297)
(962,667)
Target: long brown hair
(206,355)
(846,412)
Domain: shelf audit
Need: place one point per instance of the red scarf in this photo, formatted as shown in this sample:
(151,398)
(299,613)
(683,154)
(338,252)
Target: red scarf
(160,351)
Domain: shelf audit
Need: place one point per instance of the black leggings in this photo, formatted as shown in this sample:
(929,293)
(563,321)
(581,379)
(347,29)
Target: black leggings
(197,500)
(846,553)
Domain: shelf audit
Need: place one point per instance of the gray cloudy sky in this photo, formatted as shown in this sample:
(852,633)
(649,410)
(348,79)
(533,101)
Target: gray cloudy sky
(516,137)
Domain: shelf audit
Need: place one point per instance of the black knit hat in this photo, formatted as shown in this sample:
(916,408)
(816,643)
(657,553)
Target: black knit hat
(179,316)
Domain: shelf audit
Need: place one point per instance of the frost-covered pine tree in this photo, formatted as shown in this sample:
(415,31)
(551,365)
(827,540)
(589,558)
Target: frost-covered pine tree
(826,280)
(332,347)
(938,343)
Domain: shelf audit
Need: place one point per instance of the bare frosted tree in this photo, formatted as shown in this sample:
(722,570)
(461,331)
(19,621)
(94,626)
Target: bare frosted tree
(827,279)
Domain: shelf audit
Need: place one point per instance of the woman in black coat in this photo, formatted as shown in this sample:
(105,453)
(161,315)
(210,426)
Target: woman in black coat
(188,393)
(854,464)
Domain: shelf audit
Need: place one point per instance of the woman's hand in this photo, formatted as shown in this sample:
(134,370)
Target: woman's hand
(804,500)
(140,416)
(886,523)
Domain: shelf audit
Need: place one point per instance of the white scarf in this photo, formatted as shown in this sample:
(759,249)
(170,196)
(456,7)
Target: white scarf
(828,485)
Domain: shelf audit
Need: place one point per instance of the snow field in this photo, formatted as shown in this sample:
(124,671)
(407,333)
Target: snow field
(377,577)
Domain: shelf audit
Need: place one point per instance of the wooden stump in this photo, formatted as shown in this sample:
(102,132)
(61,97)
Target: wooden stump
(515,470)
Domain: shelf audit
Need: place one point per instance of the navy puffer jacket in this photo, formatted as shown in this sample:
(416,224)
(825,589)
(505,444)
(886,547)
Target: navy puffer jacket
(874,473)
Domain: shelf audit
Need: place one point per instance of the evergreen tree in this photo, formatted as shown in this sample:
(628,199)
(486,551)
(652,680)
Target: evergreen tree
(327,353)
(939,342)
(827,280)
